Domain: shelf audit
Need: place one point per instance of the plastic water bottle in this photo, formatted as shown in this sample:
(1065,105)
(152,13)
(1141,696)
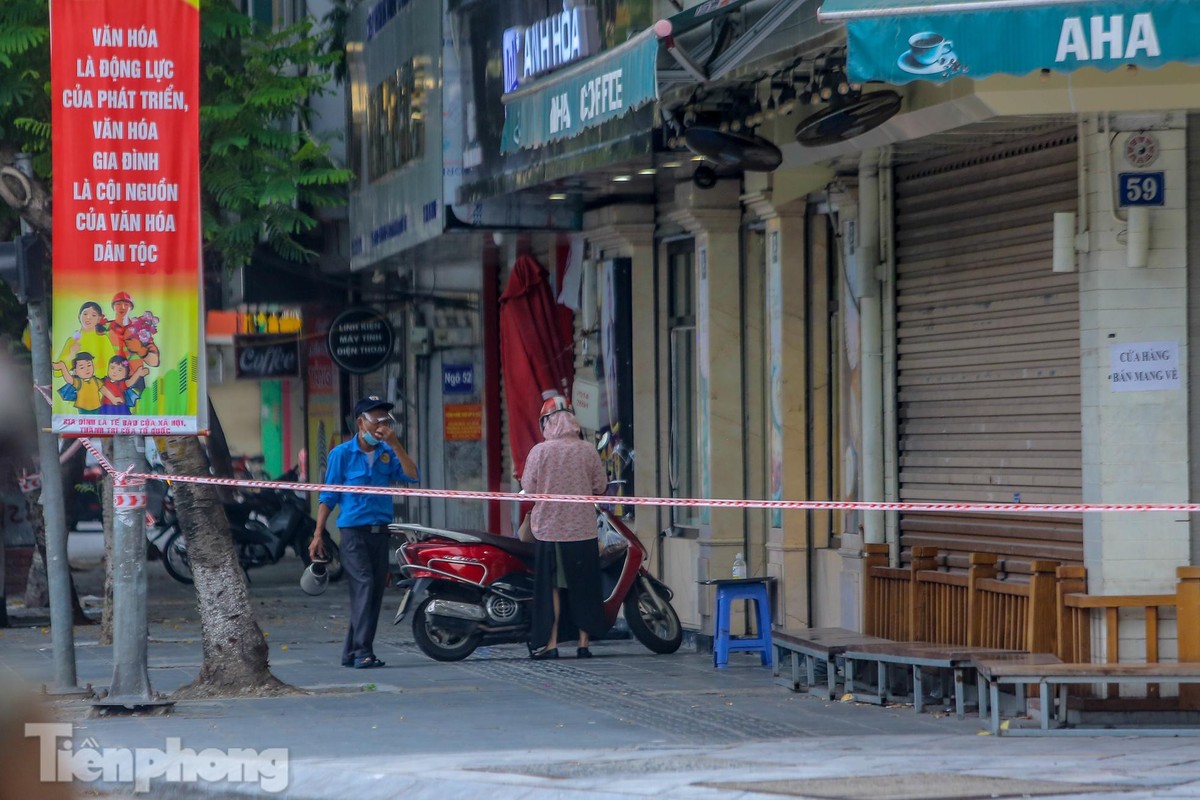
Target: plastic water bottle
(739,567)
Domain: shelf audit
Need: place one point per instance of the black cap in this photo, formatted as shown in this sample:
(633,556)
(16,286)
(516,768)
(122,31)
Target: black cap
(370,404)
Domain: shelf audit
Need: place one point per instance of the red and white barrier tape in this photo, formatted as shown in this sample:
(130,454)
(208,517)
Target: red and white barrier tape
(131,478)
(785,505)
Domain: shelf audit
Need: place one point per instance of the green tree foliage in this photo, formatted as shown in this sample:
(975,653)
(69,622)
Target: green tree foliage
(262,171)
(25,81)
(24,115)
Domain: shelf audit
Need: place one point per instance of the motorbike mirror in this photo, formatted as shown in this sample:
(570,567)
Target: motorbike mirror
(603,441)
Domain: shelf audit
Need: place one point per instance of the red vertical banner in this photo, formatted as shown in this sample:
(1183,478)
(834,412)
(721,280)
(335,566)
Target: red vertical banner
(127,336)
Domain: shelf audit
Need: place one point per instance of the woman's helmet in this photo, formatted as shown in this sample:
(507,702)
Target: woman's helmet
(553,405)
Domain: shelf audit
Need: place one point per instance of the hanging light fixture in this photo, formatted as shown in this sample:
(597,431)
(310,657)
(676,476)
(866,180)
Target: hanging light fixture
(825,90)
(787,99)
(738,113)
(755,116)
(843,83)
(806,95)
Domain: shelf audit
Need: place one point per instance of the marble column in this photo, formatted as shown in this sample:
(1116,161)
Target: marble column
(785,299)
(713,217)
(627,231)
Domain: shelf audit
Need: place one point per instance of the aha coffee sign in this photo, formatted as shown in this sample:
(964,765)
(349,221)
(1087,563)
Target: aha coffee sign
(361,340)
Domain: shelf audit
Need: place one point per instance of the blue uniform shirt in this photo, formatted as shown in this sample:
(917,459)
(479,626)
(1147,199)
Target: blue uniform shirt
(349,466)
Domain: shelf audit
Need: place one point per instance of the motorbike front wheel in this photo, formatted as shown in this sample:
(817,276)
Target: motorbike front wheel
(652,619)
(439,643)
(175,558)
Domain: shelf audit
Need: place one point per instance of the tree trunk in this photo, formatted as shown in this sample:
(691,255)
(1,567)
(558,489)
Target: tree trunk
(38,521)
(235,650)
(7,476)
(37,586)
(106,506)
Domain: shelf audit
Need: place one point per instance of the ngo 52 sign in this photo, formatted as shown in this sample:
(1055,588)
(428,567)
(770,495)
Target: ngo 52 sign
(458,378)
(360,340)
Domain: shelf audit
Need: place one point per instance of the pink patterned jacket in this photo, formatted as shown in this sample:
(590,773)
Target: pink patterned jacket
(563,464)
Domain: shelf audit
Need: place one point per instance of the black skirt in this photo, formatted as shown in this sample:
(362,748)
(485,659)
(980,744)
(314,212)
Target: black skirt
(581,605)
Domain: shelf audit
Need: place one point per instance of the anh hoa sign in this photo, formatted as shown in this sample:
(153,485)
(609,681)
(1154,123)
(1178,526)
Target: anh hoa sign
(549,44)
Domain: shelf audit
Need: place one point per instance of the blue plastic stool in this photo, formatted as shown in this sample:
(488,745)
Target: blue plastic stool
(732,589)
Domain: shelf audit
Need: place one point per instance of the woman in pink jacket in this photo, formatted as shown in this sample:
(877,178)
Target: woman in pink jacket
(567,565)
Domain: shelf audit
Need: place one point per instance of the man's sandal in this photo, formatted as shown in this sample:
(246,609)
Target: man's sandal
(368,662)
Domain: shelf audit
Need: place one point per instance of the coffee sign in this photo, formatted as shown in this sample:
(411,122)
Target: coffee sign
(270,356)
(361,340)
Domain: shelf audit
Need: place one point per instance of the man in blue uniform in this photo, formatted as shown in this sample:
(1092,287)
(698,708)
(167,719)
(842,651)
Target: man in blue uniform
(374,457)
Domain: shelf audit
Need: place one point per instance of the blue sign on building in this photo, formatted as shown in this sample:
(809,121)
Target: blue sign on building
(1142,188)
(458,378)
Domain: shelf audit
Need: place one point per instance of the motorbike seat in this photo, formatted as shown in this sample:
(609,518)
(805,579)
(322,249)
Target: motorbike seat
(506,543)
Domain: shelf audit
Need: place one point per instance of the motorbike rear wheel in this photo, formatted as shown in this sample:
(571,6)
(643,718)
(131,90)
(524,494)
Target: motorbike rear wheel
(175,558)
(652,620)
(438,643)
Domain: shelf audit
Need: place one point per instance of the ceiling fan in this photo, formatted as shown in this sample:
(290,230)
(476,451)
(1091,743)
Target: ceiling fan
(752,153)
(848,119)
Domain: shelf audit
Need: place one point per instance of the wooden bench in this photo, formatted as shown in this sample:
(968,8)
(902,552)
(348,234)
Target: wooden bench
(918,656)
(1018,661)
(807,647)
(1051,676)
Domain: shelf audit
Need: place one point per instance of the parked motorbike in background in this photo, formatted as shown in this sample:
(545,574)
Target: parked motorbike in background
(470,588)
(264,523)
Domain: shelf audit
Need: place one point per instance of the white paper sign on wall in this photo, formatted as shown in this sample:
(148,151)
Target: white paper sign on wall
(589,400)
(1144,367)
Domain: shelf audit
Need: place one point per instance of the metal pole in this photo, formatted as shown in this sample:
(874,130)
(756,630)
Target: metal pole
(131,677)
(58,570)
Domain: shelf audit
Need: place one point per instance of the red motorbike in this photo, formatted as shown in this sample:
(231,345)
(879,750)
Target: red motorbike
(470,588)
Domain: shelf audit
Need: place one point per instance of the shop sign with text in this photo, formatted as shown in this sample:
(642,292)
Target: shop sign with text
(561,105)
(360,340)
(267,356)
(548,44)
(458,378)
(462,422)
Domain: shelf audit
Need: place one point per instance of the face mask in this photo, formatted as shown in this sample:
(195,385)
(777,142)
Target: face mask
(369,439)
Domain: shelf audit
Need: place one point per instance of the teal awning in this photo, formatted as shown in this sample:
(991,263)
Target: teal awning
(936,40)
(582,96)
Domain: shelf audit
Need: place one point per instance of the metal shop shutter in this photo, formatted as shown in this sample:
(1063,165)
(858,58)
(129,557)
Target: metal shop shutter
(1193,245)
(988,350)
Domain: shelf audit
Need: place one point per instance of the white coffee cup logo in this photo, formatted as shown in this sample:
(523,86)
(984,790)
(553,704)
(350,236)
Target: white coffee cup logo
(927,48)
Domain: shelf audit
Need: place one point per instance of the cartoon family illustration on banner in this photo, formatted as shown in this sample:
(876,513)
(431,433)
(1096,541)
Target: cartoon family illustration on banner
(105,362)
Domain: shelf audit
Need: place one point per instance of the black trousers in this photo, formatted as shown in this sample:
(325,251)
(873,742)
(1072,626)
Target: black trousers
(581,604)
(365,561)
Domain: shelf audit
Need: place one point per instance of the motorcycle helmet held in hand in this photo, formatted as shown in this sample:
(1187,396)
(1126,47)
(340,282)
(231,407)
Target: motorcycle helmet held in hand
(315,578)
